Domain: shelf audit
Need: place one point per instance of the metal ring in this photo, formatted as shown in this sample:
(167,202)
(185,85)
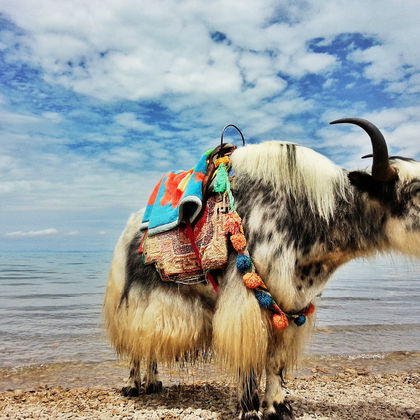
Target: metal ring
(239,131)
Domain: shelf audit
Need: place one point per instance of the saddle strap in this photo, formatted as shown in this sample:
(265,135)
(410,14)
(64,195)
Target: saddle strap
(190,234)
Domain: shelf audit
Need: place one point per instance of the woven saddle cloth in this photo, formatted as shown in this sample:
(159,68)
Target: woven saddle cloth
(173,252)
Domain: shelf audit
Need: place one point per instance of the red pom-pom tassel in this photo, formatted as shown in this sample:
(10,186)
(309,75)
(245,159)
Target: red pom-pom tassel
(280,321)
(252,280)
(238,241)
(233,223)
(309,310)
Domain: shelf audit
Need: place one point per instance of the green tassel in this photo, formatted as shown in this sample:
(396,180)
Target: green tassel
(221,180)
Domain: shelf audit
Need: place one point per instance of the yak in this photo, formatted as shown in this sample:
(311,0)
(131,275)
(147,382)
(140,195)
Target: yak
(303,217)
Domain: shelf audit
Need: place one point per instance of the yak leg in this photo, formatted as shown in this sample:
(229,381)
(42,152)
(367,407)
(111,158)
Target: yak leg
(249,400)
(134,381)
(152,384)
(274,404)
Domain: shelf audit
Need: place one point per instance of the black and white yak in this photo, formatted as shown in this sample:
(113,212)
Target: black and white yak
(303,217)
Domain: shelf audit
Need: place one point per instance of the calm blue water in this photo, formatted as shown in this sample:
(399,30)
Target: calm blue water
(50,308)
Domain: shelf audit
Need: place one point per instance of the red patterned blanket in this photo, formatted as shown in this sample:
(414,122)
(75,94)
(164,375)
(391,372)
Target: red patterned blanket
(173,251)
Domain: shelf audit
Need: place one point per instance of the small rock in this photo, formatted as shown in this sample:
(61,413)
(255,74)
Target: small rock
(413,412)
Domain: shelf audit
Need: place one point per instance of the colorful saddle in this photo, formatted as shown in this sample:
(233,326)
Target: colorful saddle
(184,222)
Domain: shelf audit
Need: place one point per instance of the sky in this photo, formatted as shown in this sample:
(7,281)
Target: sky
(99,98)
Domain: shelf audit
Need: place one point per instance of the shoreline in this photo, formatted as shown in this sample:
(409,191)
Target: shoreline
(112,373)
(370,387)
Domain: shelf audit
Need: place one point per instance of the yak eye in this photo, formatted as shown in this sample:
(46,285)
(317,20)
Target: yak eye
(413,191)
(416,193)
(414,187)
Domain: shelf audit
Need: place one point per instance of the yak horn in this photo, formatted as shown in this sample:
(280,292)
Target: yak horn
(381,169)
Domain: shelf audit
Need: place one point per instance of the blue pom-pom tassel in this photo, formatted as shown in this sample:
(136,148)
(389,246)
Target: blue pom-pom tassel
(300,320)
(264,299)
(243,263)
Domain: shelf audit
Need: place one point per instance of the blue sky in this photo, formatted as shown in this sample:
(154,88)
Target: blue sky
(99,98)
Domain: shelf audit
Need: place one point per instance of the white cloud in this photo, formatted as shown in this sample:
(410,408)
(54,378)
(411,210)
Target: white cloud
(53,117)
(266,87)
(19,119)
(101,137)
(381,64)
(405,139)
(129,120)
(409,85)
(31,233)
(256,65)
(315,63)
(124,156)
(395,57)
(301,64)
(394,117)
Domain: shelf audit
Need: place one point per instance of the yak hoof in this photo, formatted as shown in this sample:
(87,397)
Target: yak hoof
(283,412)
(130,391)
(251,415)
(154,388)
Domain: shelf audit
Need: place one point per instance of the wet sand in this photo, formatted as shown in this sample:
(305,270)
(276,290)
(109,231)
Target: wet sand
(333,388)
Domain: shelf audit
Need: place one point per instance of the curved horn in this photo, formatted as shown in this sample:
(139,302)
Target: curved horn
(381,169)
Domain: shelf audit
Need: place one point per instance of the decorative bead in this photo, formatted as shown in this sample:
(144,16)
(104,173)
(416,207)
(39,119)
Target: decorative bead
(238,241)
(280,321)
(309,310)
(224,159)
(243,263)
(264,299)
(232,223)
(252,280)
(300,320)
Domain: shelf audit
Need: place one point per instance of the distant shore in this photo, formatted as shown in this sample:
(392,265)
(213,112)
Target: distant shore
(333,388)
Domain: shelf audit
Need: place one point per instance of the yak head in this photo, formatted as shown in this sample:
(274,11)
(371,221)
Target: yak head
(393,184)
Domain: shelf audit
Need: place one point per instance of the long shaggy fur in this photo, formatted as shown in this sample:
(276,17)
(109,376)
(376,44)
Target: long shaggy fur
(158,324)
(408,169)
(241,330)
(296,170)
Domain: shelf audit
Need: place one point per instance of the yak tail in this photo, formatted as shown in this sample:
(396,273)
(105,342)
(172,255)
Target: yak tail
(240,328)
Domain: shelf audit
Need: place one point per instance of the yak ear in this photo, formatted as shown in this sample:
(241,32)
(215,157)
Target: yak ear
(365,182)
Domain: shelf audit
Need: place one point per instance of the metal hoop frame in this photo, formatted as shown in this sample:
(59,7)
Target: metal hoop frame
(239,131)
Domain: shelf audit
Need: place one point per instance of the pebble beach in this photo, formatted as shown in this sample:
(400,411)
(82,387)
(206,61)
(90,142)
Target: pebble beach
(318,391)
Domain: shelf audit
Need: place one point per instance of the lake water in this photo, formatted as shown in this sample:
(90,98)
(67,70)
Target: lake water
(50,309)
